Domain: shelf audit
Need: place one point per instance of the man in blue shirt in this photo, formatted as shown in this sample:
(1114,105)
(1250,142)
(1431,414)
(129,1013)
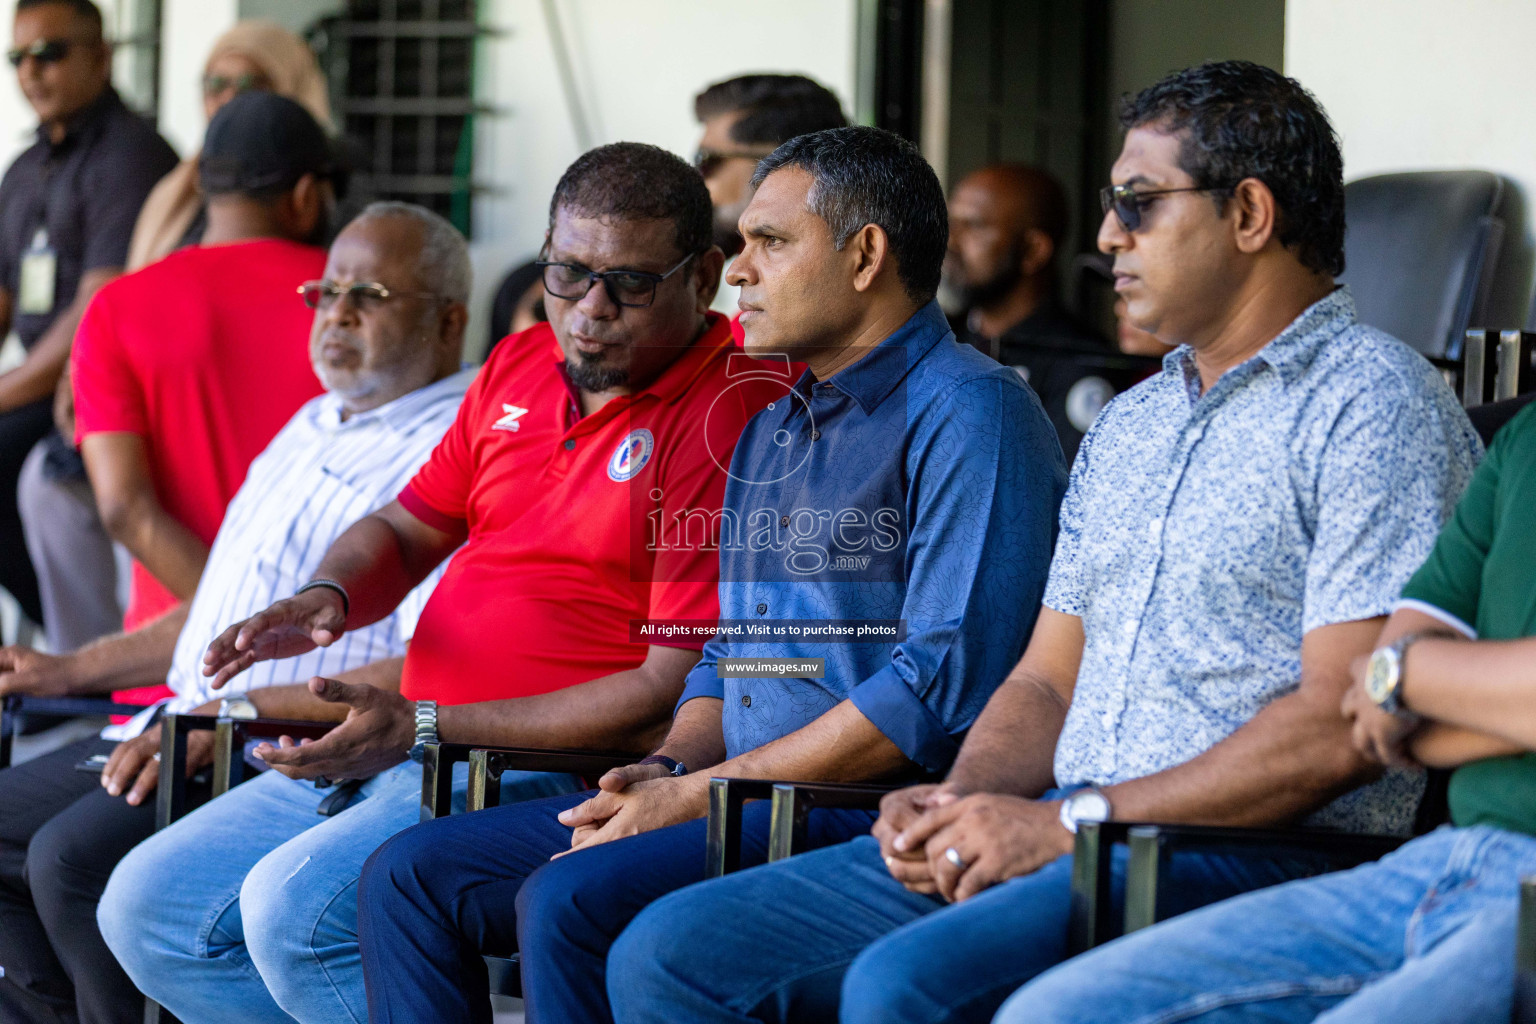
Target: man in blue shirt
(1236,529)
(906,481)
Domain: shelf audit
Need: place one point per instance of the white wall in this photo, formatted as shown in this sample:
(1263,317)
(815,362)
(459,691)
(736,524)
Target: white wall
(637,68)
(1427,84)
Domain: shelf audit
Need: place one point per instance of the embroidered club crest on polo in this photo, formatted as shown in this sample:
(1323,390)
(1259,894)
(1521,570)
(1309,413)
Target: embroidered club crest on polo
(509,421)
(631,455)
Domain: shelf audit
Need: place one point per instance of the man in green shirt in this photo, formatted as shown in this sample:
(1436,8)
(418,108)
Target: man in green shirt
(1426,934)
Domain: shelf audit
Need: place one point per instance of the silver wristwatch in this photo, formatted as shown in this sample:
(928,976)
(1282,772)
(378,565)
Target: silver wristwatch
(426,728)
(1384,672)
(1088,804)
(238,708)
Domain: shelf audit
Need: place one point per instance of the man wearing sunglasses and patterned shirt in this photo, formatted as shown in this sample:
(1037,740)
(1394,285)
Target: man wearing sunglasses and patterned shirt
(620,413)
(1234,533)
(67,208)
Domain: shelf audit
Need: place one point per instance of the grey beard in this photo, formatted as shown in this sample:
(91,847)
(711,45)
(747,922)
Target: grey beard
(595,379)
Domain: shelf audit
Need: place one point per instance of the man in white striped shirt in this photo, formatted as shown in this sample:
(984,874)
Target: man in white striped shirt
(386,343)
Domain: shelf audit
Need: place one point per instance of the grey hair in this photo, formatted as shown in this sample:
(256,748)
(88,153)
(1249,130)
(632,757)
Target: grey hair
(443,266)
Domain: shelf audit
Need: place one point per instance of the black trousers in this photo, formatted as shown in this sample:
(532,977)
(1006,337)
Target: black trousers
(60,837)
(20,429)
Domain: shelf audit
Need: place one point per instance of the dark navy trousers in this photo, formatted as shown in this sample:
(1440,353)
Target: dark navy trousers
(438,895)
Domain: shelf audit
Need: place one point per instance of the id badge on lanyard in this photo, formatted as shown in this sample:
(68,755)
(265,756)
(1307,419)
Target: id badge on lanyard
(39,277)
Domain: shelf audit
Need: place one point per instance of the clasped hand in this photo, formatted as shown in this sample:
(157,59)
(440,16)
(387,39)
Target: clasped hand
(995,837)
(633,799)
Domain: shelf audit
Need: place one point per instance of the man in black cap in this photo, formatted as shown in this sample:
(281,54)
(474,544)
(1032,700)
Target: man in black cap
(67,207)
(184,371)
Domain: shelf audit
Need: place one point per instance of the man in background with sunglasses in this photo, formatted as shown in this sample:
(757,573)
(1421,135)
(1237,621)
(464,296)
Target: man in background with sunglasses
(67,209)
(744,120)
(1235,531)
(574,443)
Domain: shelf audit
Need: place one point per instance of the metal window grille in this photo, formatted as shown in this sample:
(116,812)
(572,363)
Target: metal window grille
(135,32)
(401,74)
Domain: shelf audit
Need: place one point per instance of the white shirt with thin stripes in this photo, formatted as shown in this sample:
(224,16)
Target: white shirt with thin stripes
(319,475)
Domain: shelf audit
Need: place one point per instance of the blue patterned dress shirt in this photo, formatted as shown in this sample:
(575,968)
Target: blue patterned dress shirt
(919,484)
(1203,535)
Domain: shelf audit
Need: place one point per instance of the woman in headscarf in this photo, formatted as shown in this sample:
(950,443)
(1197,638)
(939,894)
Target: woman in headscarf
(252,55)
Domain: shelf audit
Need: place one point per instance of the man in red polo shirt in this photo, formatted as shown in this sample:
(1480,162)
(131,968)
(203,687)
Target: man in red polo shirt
(565,494)
(184,371)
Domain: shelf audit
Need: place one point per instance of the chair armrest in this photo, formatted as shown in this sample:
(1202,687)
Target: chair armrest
(229,739)
(486,765)
(1152,845)
(1525,955)
(792,805)
(15,705)
(1091,920)
(1090,916)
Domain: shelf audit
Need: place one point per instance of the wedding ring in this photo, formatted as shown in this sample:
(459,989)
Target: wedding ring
(953,856)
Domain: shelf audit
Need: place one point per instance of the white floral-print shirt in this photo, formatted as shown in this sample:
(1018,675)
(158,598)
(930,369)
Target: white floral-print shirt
(1203,535)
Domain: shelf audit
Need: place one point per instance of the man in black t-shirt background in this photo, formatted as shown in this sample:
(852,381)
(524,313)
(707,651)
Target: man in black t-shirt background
(1006,224)
(67,208)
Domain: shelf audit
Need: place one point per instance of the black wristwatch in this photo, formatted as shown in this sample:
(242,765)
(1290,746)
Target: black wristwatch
(676,769)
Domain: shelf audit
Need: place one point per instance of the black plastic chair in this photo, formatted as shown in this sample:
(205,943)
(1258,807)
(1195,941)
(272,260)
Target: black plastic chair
(1421,251)
(486,765)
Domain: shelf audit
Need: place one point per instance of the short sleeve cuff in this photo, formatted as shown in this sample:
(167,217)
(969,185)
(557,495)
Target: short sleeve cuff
(1439,614)
(701,682)
(888,702)
(1063,592)
(417,506)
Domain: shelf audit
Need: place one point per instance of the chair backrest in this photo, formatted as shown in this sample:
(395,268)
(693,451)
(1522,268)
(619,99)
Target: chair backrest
(1420,253)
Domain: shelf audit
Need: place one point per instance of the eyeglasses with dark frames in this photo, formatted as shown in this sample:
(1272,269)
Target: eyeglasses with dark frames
(1128,204)
(366,296)
(708,161)
(44,51)
(633,288)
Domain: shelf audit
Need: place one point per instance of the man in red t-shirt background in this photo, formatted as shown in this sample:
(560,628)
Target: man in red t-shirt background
(575,438)
(185,370)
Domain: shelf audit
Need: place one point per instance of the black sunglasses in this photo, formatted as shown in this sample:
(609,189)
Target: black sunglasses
(1128,204)
(44,51)
(572,281)
(708,161)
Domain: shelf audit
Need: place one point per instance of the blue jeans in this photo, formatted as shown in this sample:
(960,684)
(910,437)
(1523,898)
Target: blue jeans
(1426,934)
(830,935)
(436,896)
(246,909)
